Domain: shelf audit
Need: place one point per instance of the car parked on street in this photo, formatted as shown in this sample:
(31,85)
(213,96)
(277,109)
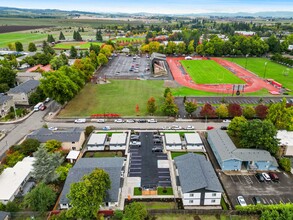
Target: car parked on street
(80,120)
(43,107)
(141,120)
(226,121)
(130,121)
(152,121)
(119,120)
(176,127)
(53,128)
(241,201)
(106,128)
(224,128)
(210,127)
(266,176)
(189,127)
(100,120)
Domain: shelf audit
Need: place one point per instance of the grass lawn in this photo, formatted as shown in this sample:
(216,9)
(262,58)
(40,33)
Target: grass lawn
(209,72)
(23,37)
(159,205)
(204,217)
(176,154)
(137,191)
(273,70)
(102,154)
(169,191)
(119,96)
(81,45)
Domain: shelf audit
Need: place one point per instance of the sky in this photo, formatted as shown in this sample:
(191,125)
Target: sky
(155,6)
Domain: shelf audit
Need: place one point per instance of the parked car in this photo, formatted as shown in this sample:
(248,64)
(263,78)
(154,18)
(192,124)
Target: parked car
(141,121)
(119,120)
(210,127)
(43,107)
(80,120)
(166,128)
(266,176)
(47,100)
(256,200)
(224,128)
(189,127)
(130,121)
(100,120)
(274,177)
(53,128)
(152,121)
(176,127)
(157,136)
(106,128)
(135,143)
(241,201)
(157,149)
(226,121)
(260,177)
(157,140)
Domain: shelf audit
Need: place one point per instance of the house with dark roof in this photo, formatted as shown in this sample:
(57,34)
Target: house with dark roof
(72,139)
(111,165)
(22,92)
(4,215)
(231,158)
(197,181)
(6,102)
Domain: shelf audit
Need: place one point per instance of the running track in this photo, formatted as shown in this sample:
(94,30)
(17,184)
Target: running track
(253,82)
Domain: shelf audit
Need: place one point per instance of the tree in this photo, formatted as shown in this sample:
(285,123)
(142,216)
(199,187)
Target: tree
(261,111)
(53,145)
(73,52)
(135,211)
(50,38)
(29,146)
(63,171)
(4,87)
(89,130)
(151,105)
(248,112)
(56,63)
(45,165)
(107,50)
(61,36)
(234,109)
(99,36)
(78,36)
(207,111)
(12,159)
(48,49)
(87,195)
(190,107)
(285,164)
(190,48)
(32,47)
(7,76)
(18,46)
(102,59)
(41,198)
(37,96)
(85,66)
(167,90)
(259,134)
(169,107)
(93,58)
(96,48)
(137,109)
(235,125)
(222,111)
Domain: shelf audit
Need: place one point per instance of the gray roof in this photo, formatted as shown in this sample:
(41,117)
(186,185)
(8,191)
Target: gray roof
(227,150)
(196,173)
(83,166)
(3,215)
(44,134)
(158,56)
(4,98)
(25,87)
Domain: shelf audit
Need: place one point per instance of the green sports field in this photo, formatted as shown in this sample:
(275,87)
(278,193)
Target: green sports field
(119,97)
(278,72)
(23,37)
(209,72)
(81,45)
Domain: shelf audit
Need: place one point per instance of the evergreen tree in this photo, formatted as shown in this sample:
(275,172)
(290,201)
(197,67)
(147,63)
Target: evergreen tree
(61,36)
(99,36)
(32,47)
(18,46)
(74,35)
(73,52)
(78,36)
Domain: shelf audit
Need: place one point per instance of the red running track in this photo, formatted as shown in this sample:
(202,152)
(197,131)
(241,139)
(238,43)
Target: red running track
(253,82)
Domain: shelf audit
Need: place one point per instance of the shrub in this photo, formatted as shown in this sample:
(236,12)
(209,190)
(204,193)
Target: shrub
(285,164)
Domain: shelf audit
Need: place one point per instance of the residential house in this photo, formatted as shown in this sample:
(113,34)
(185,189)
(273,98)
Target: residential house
(6,102)
(96,142)
(4,215)
(22,77)
(22,92)
(286,141)
(13,179)
(113,166)
(118,141)
(231,158)
(72,139)
(173,141)
(198,183)
(193,142)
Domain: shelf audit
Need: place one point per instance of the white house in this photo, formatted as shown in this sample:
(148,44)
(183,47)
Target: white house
(72,156)
(193,142)
(198,183)
(97,142)
(173,141)
(286,140)
(118,141)
(13,179)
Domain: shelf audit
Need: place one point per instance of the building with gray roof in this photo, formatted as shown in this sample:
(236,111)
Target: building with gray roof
(118,141)
(173,141)
(22,92)
(197,181)
(159,66)
(72,139)
(111,165)
(231,158)
(6,102)
(4,215)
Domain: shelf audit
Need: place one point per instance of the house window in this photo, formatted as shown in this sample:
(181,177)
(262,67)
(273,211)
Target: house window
(191,195)
(73,142)
(73,148)
(214,194)
(213,201)
(190,201)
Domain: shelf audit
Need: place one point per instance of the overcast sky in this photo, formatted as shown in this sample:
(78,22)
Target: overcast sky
(156,6)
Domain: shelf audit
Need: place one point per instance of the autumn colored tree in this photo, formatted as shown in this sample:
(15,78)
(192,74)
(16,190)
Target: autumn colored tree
(261,111)
(222,111)
(208,111)
(248,112)
(235,125)
(137,109)
(190,106)
(169,107)
(234,109)
(151,105)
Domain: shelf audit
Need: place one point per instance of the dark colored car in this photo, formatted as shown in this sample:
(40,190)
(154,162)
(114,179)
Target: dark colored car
(274,177)
(42,108)
(210,127)
(224,128)
(256,200)
(142,121)
(259,177)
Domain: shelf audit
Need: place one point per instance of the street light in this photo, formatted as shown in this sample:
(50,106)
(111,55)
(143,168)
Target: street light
(246,61)
(264,75)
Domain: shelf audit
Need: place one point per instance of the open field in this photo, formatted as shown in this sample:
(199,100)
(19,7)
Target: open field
(209,72)
(273,70)
(23,37)
(68,45)
(120,97)
(204,217)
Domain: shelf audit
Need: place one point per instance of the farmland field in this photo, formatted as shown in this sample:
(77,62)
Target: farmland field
(209,72)
(81,45)
(278,72)
(23,37)
(120,97)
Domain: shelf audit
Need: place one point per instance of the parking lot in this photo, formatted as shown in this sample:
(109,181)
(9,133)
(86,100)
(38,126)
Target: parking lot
(151,167)
(248,186)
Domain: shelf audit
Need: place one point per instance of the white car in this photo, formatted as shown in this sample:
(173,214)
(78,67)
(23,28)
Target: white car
(176,127)
(189,127)
(53,128)
(166,128)
(266,176)
(119,120)
(241,201)
(152,121)
(100,120)
(47,100)
(130,121)
(80,120)
(226,121)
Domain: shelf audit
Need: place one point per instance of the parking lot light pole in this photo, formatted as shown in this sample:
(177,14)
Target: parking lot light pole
(246,61)
(264,75)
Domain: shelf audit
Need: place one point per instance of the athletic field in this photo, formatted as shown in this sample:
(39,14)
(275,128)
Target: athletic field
(209,72)
(23,37)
